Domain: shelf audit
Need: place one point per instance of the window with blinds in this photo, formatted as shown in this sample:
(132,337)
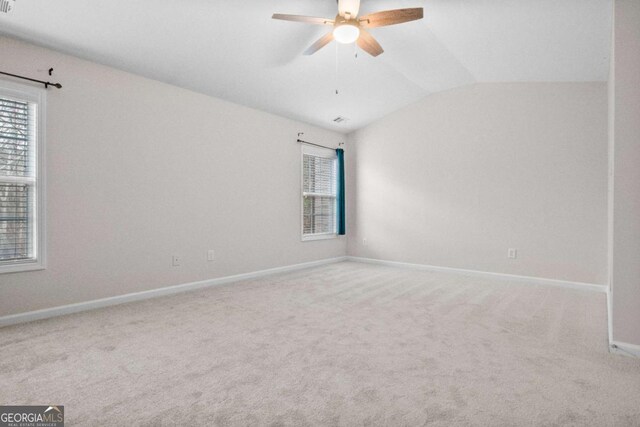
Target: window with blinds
(319,191)
(18,180)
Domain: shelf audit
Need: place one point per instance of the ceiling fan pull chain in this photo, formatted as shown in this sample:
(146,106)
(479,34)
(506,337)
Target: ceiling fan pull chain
(336,76)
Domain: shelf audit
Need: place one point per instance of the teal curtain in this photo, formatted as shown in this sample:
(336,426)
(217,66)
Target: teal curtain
(341,226)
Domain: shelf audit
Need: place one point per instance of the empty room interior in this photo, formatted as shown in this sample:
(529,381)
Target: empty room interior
(320,212)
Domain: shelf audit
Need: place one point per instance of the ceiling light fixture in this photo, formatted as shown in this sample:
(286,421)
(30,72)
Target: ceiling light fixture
(347,32)
(349,27)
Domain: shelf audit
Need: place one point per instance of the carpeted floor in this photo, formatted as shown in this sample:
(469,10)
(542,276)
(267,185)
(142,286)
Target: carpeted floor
(344,344)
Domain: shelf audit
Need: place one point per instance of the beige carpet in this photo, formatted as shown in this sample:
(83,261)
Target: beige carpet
(345,344)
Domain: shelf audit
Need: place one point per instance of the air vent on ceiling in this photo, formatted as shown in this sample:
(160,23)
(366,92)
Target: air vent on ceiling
(340,119)
(6,6)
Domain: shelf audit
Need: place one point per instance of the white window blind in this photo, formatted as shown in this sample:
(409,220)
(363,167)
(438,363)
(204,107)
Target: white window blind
(319,194)
(18,182)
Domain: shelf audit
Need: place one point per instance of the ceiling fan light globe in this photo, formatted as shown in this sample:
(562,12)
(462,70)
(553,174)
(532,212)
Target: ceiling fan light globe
(346,33)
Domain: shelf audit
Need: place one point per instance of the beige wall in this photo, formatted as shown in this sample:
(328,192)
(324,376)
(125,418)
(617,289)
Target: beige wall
(461,176)
(138,170)
(626,179)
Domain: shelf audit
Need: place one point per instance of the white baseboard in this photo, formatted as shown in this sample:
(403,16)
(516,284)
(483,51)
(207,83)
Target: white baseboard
(618,347)
(624,349)
(511,277)
(609,315)
(154,293)
(170,290)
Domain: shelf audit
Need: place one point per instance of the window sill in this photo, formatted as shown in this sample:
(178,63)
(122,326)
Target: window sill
(21,267)
(325,236)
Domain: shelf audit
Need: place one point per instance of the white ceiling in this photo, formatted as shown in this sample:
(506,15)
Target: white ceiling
(232,49)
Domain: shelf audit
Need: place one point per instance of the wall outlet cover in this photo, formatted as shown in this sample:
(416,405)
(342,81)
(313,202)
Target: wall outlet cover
(6,6)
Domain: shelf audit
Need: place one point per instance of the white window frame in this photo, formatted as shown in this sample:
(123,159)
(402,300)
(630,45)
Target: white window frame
(329,154)
(37,96)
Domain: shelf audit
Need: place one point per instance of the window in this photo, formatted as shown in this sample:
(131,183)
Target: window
(21,178)
(318,193)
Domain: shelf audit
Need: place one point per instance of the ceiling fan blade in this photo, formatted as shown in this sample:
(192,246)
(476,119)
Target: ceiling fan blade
(351,7)
(304,19)
(322,42)
(370,45)
(391,17)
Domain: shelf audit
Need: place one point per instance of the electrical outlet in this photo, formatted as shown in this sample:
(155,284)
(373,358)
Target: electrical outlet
(211,255)
(175,261)
(512,253)
(6,6)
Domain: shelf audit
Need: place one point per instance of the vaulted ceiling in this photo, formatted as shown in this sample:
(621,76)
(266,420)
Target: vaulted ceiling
(232,49)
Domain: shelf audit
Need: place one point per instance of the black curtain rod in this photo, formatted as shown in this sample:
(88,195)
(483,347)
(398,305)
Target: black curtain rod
(46,84)
(316,145)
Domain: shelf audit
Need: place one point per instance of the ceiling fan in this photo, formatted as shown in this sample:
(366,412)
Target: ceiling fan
(349,28)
